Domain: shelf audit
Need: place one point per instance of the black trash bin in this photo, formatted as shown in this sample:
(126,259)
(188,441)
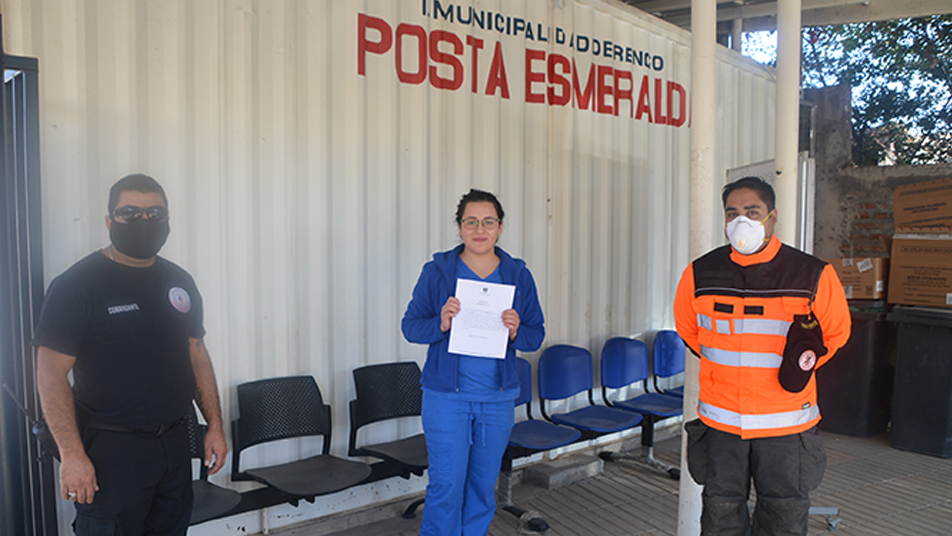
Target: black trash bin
(854,388)
(922,391)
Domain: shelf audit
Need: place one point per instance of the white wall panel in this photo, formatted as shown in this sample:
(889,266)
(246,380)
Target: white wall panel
(306,197)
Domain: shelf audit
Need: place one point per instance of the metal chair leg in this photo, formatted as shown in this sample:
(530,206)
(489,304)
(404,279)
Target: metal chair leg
(410,512)
(646,456)
(647,450)
(832,514)
(529,521)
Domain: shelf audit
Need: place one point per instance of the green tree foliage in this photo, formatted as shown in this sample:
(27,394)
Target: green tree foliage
(900,72)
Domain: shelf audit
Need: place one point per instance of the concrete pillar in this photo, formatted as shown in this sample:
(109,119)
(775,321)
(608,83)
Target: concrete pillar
(737,34)
(704,236)
(788,108)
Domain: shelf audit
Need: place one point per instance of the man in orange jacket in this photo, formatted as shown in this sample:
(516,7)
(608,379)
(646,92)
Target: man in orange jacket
(761,316)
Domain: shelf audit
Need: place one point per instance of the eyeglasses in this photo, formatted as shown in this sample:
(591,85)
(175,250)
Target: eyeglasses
(126,214)
(471,224)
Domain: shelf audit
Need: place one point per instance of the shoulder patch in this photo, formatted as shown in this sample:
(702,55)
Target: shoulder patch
(180,299)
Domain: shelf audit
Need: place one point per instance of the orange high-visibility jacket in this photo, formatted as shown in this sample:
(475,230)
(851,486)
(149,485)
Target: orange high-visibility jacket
(734,311)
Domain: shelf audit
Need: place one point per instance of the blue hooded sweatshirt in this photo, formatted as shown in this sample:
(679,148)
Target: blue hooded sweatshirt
(421,322)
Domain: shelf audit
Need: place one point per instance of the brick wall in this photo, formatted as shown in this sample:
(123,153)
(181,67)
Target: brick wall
(869,231)
(853,205)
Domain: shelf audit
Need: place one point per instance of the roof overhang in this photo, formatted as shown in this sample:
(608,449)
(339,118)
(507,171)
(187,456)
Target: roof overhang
(761,15)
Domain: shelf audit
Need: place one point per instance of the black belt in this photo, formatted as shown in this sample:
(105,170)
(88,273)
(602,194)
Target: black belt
(161,430)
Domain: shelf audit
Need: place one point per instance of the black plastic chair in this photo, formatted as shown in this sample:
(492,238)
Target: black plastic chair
(210,501)
(667,360)
(528,437)
(389,391)
(284,408)
(565,371)
(625,363)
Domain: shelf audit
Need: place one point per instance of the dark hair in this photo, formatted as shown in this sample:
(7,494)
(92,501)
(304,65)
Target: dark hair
(763,189)
(478,196)
(136,182)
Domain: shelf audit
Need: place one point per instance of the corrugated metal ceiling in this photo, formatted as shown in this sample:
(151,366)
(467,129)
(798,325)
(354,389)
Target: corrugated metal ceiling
(759,15)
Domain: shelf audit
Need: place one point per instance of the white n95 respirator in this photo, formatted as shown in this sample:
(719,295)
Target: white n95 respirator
(746,235)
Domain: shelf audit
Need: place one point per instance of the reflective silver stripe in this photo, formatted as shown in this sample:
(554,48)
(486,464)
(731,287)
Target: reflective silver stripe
(704,321)
(761,326)
(742,359)
(758,422)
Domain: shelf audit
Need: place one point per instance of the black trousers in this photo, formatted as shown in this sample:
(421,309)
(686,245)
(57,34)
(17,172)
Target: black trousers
(145,484)
(784,470)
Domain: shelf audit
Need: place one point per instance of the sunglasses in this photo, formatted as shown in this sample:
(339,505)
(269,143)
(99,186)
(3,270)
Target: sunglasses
(127,214)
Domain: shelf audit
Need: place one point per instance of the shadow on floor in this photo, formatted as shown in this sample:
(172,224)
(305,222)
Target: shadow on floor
(879,490)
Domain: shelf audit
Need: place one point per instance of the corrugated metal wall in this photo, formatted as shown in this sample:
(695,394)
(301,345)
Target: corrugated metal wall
(306,196)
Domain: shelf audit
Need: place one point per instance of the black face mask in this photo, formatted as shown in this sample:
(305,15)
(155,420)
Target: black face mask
(140,239)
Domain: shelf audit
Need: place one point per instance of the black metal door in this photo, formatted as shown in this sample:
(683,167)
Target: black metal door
(27,497)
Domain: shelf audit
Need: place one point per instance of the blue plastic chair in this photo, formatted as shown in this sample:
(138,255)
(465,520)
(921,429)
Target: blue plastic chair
(624,363)
(528,437)
(565,371)
(533,434)
(667,360)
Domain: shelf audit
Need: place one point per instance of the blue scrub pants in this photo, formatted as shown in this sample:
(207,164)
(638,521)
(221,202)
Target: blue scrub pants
(465,442)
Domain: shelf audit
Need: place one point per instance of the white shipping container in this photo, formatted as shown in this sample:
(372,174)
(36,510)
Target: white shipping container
(314,151)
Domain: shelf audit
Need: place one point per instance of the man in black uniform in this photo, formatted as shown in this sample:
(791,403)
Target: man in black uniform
(129,326)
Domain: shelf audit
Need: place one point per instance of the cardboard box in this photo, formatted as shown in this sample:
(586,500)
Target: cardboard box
(921,270)
(923,205)
(862,278)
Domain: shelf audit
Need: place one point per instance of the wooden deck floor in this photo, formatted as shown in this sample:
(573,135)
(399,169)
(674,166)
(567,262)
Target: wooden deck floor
(878,489)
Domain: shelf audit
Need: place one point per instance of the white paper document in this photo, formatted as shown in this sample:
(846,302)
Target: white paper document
(478,329)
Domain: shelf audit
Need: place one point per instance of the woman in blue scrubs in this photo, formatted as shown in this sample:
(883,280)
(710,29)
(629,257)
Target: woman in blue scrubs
(468,400)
